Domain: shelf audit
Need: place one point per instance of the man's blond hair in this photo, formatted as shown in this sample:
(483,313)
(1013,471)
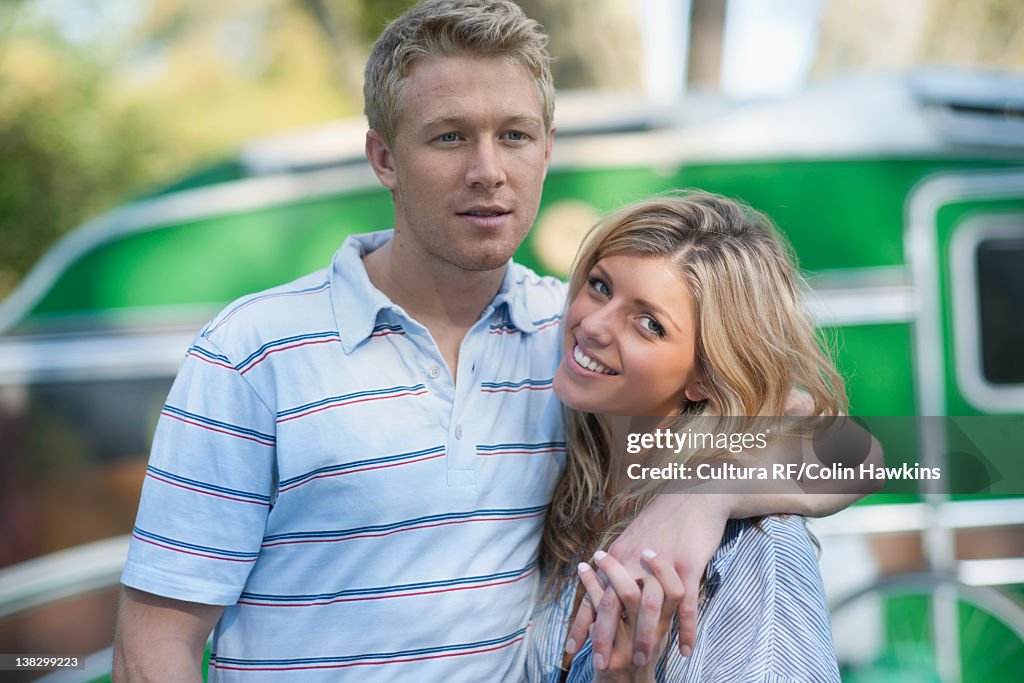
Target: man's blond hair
(450,28)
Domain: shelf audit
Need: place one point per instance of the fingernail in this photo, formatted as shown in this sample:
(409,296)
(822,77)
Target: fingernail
(687,650)
(570,646)
(639,659)
(649,554)
(582,567)
(598,662)
(600,555)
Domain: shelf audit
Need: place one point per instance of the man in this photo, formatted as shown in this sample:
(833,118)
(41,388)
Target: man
(350,473)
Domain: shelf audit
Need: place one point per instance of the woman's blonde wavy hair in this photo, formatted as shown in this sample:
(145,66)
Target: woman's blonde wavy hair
(756,344)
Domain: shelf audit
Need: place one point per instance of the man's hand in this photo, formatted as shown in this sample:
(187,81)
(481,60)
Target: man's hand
(684,530)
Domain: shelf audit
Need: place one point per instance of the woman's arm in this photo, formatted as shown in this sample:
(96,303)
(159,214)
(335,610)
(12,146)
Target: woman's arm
(684,525)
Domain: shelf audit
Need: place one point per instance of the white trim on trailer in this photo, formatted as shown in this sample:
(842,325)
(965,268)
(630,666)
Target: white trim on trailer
(93,356)
(62,574)
(897,518)
(861,296)
(967,315)
(169,211)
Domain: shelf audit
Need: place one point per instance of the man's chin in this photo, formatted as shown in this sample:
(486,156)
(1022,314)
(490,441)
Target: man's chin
(479,261)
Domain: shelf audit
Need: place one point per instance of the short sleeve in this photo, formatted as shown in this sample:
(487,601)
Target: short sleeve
(208,486)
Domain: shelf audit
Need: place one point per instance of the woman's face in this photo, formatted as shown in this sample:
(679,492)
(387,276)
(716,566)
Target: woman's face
(630,341)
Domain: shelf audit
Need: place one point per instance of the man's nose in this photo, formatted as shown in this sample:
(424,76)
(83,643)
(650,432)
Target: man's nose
(485,166)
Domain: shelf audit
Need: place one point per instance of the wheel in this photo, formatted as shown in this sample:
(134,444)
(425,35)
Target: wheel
(929,628)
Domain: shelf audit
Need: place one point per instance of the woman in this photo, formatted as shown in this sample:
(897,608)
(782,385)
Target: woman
(686,307)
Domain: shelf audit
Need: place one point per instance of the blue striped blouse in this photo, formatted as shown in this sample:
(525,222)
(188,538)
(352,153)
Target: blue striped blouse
(765,618)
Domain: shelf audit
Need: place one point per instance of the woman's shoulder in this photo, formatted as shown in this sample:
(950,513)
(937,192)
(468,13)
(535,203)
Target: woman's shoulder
(778,541)
(765,599)
(769,568)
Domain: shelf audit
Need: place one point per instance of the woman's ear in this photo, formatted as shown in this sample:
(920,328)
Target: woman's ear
(695,392)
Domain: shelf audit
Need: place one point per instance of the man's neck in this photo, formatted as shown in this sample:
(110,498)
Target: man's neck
(443,298)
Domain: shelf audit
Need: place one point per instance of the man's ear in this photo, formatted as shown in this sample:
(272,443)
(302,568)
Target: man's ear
(378,153)
(549,146)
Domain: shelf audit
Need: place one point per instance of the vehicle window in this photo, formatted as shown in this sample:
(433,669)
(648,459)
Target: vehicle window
(1000,280)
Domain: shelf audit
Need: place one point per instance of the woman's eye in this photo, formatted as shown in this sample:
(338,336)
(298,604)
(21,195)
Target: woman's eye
(599,286)
(652,326)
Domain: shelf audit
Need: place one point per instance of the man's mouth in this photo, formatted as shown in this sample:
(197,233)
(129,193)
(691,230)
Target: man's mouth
(485,213)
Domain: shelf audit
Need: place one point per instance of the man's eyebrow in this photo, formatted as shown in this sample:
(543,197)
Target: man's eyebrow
(524,120)
(459,120)
(450,120)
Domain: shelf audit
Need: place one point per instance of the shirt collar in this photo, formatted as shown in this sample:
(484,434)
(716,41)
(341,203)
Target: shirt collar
(358,305)
(513,296)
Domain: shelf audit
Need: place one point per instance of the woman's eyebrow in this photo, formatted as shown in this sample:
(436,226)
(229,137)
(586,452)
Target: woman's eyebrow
(654,308)
(642,303)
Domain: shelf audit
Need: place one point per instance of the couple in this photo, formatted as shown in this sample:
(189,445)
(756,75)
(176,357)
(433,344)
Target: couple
(353,472)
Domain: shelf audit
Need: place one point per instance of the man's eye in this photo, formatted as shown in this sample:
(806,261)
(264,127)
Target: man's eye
(449,137)
(516,136)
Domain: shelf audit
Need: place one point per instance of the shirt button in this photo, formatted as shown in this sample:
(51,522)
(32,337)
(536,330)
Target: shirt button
(458,432)
(435,371)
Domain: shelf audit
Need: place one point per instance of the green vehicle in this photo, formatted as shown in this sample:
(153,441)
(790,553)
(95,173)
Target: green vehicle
(903,198)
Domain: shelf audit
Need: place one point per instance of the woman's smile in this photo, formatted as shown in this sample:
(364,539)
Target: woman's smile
(630,346)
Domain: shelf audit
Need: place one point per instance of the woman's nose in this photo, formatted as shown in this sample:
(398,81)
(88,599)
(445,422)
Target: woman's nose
(596,328)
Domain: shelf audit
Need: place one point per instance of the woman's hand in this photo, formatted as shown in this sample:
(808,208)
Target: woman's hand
(662,588)
(685,529)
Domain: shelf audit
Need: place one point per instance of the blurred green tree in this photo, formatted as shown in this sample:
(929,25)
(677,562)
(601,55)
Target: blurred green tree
(88,121)
(68,148)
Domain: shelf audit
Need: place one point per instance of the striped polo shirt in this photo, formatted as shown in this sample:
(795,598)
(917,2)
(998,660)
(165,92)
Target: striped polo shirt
(764,620)
(362,516)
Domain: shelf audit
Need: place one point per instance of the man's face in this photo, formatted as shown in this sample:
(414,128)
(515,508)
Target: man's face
(468,161)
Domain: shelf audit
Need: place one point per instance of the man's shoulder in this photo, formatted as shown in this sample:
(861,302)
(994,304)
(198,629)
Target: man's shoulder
(542,295)
(299,307)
